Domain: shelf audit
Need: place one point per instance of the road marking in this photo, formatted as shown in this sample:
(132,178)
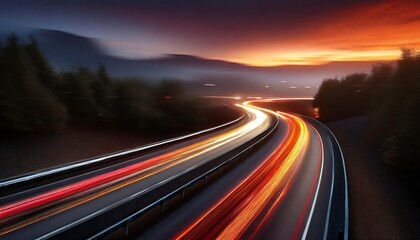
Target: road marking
(95,160)
(346,206)
(317,189)
(327,220)
(136,195)
(346,201)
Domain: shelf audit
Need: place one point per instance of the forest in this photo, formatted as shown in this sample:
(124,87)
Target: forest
(390,97)
(35,97)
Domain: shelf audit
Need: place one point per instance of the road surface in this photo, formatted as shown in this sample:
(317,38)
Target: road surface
(302,194)
(293,186)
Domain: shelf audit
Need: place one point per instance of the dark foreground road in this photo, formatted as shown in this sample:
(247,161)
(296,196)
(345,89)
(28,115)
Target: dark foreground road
(292,185)
(310,202)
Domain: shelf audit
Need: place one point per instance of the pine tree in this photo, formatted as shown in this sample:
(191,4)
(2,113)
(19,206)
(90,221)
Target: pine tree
(25,103)
(42,68)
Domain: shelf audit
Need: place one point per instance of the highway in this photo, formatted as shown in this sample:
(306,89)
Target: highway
(292,188)
(292,185)
(37,212)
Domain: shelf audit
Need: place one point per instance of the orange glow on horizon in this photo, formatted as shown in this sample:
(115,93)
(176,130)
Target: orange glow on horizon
(358,32)
(374,32)
(317,57)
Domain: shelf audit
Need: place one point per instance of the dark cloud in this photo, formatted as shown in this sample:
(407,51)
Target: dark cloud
(223,24)
(238,30)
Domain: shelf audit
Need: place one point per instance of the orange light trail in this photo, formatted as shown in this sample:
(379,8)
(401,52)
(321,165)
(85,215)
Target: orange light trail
(231,216)
(117,179)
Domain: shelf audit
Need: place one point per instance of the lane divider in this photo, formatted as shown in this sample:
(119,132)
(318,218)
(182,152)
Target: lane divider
(148,167)
(84,163)
(308,223)
(231,216)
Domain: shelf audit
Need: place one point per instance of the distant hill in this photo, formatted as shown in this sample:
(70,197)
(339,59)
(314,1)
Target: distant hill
(65,51)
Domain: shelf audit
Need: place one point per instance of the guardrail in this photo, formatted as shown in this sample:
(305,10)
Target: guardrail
(26,181)
(150,201)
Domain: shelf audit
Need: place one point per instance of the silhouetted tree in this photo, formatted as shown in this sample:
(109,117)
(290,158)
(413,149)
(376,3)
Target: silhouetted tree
(33,96)
(25,104)
(329,100)
(399,113)
(133,105)
(103,75)
(378,83)
(354,94)
(341,98)
(392,98)
(42,68)
(172,101)
(77,95)
(101,86)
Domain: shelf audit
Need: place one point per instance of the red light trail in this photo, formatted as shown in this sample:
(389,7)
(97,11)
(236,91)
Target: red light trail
(257,195)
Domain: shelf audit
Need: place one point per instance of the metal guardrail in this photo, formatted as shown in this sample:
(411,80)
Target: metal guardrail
(94,219)
(74,167)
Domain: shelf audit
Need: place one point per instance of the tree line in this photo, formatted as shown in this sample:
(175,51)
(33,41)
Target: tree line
(390,97)
(35,97)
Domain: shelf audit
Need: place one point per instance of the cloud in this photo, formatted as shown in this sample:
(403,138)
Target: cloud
(254,32)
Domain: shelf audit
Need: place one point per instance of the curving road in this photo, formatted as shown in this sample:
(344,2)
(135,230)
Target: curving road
(38,212)
(293,186)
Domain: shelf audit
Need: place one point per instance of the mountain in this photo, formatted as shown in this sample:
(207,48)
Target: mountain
(65,51)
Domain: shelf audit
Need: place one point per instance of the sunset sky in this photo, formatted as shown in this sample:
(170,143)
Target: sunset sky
(262,33)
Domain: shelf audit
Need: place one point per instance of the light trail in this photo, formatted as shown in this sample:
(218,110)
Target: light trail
(108,182)
(233,215)
(316,181)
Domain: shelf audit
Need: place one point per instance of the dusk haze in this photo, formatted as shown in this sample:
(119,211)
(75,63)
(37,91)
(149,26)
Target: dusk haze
(209,119)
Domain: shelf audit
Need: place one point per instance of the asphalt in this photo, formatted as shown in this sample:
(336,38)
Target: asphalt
(293,217)
(191,210)
(50,224)
(314,207)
